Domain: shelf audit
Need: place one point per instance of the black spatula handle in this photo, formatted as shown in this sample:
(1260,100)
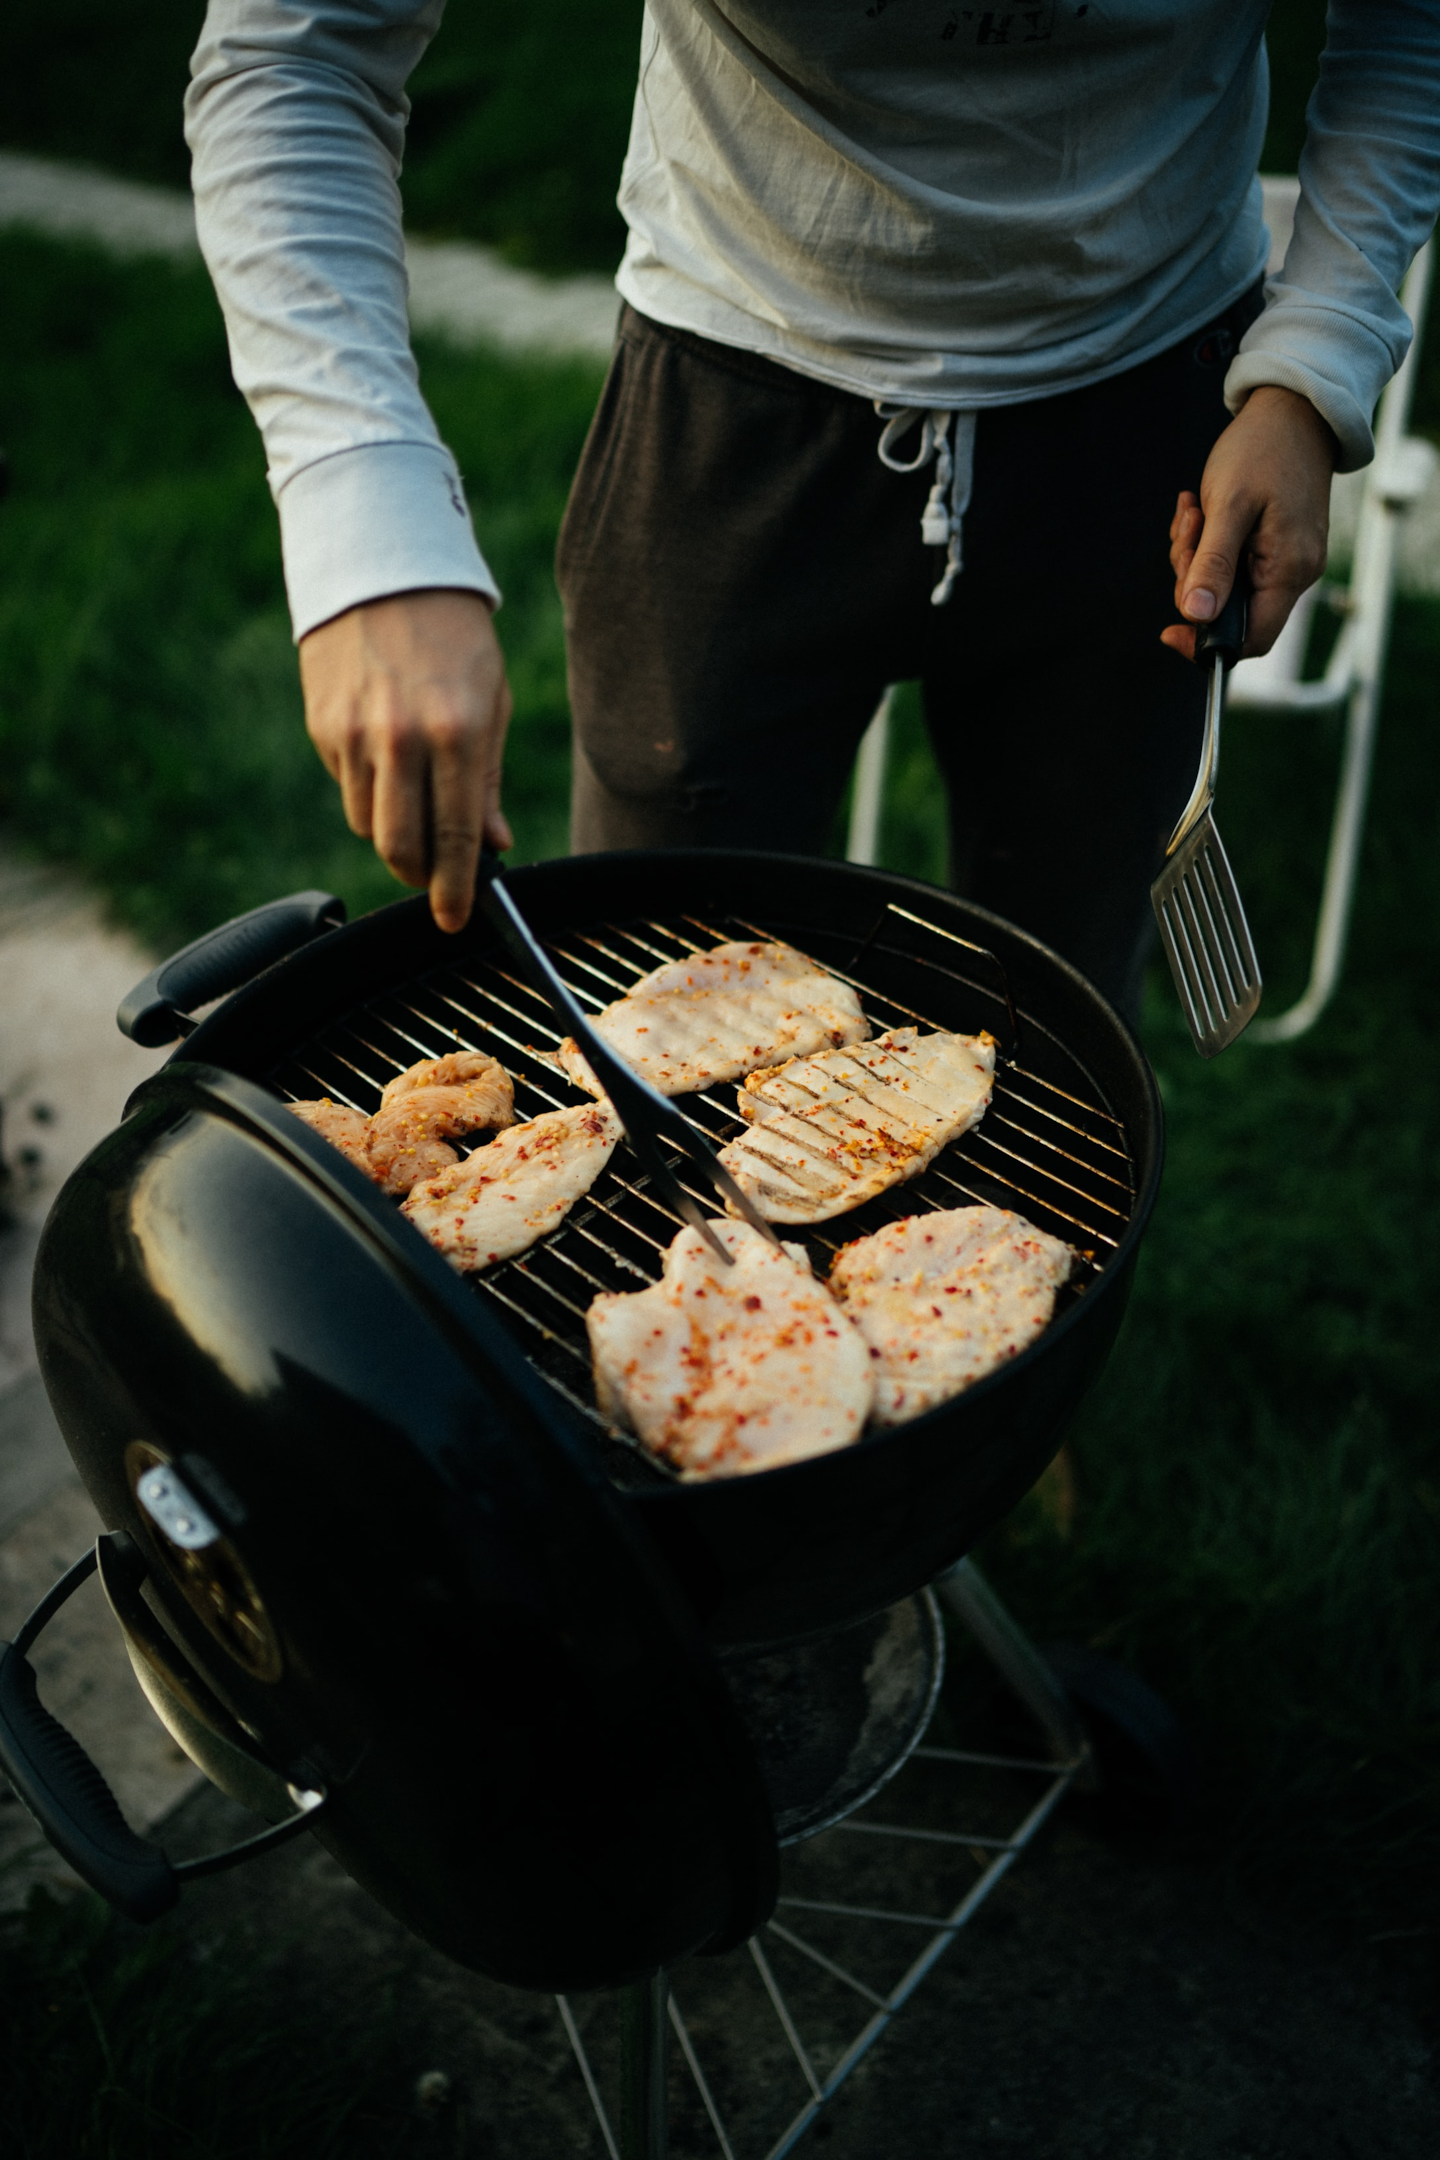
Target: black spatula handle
(1224,639)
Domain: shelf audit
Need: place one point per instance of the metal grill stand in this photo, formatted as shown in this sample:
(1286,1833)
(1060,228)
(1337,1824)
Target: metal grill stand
(650,2005)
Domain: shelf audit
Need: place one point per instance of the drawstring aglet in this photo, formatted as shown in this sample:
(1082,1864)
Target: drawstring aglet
(935,520)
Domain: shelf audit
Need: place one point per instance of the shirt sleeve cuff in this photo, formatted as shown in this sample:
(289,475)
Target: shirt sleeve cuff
(378,519)
(1339,364)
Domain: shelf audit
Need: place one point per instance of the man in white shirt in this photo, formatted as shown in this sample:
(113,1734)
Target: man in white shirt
(934,318)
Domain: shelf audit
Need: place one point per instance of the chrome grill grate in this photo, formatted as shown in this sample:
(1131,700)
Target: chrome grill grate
(1049,1146)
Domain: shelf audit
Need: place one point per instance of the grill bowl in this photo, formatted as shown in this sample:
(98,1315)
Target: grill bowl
(1073,1140)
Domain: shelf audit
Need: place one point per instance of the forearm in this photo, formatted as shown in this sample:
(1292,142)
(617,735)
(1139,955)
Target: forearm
(296,118)
(1332,328)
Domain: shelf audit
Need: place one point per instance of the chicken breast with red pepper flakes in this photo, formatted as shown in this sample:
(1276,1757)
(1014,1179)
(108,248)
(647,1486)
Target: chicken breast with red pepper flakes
(718,1015)
(344,1128)
(421,1110)
(516,1189)
(436,1101)
(724,1370)
(831,1131)
(944,1298)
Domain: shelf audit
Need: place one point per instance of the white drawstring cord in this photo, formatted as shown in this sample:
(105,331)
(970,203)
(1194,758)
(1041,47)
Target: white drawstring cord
(941,523)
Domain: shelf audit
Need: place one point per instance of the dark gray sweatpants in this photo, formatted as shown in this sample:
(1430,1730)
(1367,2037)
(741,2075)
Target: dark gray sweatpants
(742,577)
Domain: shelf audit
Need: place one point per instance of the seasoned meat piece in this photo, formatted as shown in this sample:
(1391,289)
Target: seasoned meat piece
(397,1162)
(434,1101)
(719,1014)
(463,1091)
(437,1100)
(344,1128)
(516,1189)
(944,1298)
(724,1370)
(828,1132)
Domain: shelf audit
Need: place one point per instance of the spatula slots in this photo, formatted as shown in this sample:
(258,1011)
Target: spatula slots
(1197,905)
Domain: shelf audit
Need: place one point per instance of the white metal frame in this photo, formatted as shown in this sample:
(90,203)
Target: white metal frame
(1354,677)
(1068,1763)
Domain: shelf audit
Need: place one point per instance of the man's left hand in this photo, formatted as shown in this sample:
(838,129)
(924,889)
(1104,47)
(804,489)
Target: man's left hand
(1265,499)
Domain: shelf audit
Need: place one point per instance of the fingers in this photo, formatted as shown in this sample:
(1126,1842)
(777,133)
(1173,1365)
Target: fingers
(401,822)
(1264,502)
(357,789)
(1216,551)
(407,704)
(458,790)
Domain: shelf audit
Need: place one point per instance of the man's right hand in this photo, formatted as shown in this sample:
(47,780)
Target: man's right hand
(407,703)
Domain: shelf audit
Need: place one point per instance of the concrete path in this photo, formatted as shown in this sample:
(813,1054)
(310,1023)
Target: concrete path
(65,1073)
(457,289)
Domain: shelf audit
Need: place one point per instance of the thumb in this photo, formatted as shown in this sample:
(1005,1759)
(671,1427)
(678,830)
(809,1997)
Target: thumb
(1204,587)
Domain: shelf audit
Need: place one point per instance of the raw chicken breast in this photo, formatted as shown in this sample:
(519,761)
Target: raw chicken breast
(719,1014)
(420,1110)
(344,1128)
(515,1190)
(829,1132)
(437,1100)
(724,1370)
(461,1092)
(944,1298)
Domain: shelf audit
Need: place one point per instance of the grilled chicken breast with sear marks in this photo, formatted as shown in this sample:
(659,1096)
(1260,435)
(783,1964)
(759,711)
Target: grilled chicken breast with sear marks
(719,1014)
(829,1132)
(505,1196)
(723,1370)
(944,1298)
(420,1111)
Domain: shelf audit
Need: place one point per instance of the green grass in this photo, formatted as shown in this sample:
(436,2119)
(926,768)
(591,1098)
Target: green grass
(123,2046)
(1258,1521)
(519,123)
(150,728)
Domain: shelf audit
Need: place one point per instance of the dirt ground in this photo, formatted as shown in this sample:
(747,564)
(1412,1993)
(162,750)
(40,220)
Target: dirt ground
(1108,2000)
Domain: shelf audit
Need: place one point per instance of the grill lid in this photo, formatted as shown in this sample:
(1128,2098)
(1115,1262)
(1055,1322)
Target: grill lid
(531,1755)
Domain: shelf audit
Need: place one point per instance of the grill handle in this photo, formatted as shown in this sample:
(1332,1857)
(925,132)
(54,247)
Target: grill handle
(155,1011)
(67,1794)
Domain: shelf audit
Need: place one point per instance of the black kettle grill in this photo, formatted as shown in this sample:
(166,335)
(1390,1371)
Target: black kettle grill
(381,1566)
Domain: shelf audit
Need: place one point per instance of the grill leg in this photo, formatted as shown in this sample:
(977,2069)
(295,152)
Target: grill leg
(965,1592)
(644,2065)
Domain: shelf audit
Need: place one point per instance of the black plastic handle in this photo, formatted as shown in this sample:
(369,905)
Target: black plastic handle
(72,1804)
(67,1795)
(1224,639)
(221,961)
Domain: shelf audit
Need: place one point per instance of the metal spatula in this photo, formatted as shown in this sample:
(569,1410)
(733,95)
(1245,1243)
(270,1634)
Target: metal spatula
(1202,923)
(647,1116)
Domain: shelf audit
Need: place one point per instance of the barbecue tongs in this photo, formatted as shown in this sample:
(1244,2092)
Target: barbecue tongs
(647,1116)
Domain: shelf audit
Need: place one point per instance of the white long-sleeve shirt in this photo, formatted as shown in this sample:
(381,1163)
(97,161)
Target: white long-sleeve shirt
(911,199)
